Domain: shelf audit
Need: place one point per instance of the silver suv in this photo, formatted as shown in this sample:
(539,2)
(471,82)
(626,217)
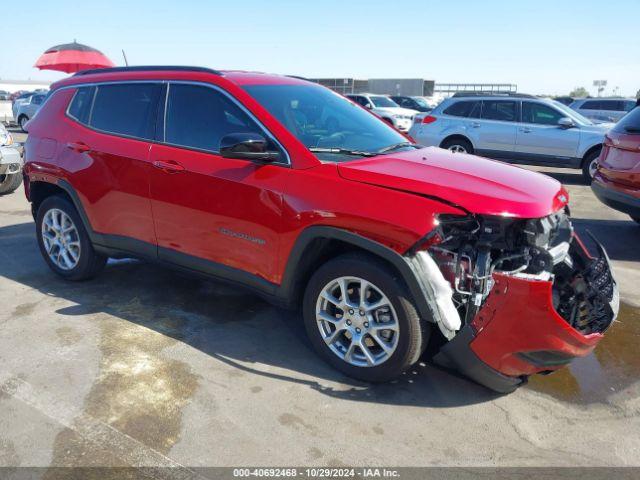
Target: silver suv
(513,127)
(604,109)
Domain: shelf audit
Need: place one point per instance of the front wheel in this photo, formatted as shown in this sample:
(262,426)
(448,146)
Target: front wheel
(64,242)
(590,165)
(10,183)
(361,320)
(23,122)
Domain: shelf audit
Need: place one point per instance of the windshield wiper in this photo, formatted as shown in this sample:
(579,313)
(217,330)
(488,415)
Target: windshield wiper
(395,146)
(342,151)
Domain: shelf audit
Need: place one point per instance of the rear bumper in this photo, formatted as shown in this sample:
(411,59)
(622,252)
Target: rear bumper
(618,197)
(518,332)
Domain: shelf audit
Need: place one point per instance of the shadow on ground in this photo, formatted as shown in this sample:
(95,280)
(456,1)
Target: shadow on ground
(229,324)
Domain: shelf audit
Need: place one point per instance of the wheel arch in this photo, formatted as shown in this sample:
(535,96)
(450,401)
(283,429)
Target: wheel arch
(590,150)
(40,190)
(457,136)
(318,244)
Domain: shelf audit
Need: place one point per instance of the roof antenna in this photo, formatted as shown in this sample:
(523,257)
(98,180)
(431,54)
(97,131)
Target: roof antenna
(126,63)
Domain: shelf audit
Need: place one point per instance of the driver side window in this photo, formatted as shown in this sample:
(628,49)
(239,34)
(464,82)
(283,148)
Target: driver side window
(198,117)
(540,114)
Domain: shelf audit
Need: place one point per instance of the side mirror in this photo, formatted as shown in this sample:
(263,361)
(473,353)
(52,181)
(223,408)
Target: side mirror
(368,106)
(566,122)
(247,146)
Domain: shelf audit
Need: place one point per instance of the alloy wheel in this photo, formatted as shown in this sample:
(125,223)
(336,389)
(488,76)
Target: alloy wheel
(457,149)
(357,321)
(593,166)
(61,239)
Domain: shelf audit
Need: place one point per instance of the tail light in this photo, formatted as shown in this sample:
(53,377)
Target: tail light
(429,119)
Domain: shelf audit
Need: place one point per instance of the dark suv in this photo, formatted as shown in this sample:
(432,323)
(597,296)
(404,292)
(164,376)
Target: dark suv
(289,189)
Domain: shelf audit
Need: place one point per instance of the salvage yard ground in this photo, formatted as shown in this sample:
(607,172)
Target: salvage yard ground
(143,366)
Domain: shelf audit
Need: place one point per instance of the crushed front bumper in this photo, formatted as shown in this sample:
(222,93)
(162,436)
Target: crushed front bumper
(518,331)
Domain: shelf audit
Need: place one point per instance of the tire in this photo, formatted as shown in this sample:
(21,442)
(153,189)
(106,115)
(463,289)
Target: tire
(10,183)
(403,346)
(588,163)
(88,263)
(22,121)
(457,145)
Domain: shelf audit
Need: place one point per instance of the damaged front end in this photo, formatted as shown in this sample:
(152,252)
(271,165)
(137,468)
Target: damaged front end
(513,297)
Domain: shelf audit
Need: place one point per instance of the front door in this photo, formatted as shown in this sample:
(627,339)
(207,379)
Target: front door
(214,214)
(540,139)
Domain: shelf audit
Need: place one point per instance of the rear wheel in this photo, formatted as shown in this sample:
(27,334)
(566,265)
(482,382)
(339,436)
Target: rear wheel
(361,320)
(10,183)
(590,165)
(457,145)
(64,242)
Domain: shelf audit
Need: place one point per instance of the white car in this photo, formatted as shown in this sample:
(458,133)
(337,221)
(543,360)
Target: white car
(401,118)
(10,163)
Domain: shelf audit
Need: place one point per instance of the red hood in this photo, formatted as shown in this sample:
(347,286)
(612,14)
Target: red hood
(477,184)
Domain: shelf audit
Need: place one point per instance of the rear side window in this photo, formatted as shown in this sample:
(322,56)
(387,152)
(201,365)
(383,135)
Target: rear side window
(198,117)
(504,111)
(470,108)
(81,104)
(629,124)
(612,105)
(126,109)
(591,105)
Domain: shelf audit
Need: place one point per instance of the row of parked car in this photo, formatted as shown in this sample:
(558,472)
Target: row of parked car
(25,105)
(531,130)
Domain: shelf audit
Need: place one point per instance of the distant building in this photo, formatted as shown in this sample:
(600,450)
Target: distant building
(383,86)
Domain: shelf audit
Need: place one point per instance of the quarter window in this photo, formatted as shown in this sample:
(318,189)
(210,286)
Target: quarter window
(198,117)
(540,114)
(504,111)
(126,109)
(81,104)
(463,109)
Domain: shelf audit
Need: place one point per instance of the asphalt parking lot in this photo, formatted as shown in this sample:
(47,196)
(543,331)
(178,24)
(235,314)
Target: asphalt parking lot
(143,366)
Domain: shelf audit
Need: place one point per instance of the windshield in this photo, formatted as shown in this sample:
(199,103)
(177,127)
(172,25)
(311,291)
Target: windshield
(421,101)
(323,120)
(569,112)
(383,102)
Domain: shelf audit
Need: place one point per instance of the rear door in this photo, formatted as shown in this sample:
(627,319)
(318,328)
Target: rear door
(496,128)
(107,157)
(211,212)
(539,139)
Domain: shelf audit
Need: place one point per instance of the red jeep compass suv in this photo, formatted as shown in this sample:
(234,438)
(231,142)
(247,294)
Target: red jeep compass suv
(282,186)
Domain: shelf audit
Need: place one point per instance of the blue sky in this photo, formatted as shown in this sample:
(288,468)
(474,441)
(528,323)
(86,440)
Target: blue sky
(543,46)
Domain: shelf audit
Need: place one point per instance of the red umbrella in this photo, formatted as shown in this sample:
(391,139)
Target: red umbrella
(72,57)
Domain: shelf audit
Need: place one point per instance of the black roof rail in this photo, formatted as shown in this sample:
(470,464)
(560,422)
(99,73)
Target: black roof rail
(493,94)
(149,68)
